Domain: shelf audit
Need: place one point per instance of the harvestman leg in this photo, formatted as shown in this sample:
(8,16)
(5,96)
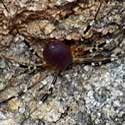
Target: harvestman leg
(44,97)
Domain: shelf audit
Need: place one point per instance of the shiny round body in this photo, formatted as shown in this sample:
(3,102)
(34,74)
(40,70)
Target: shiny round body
(57,54)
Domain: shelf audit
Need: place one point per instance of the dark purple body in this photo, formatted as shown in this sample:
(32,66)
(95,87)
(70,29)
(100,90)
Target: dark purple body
(58,55)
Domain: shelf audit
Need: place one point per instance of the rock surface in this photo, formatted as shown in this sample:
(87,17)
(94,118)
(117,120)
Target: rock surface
(84,94)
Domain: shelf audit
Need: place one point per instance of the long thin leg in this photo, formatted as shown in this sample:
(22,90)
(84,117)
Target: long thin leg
(4,6)
(19,94)
(50,91)
(43,98)
(12,97)
(89,25)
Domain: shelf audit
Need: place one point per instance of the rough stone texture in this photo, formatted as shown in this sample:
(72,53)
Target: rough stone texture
(84,94)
